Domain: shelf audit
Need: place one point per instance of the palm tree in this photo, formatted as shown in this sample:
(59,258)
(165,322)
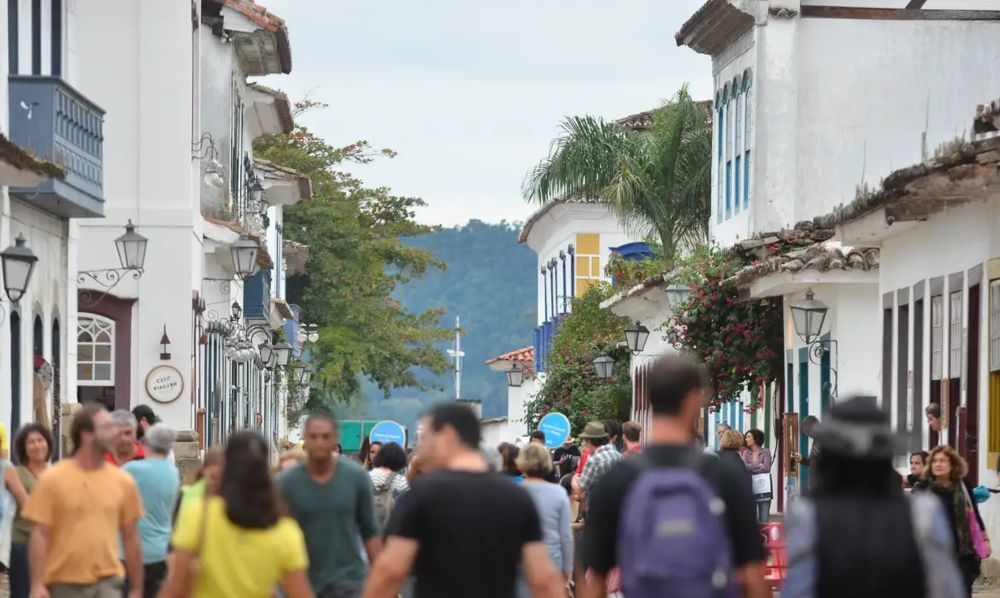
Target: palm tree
(656,181)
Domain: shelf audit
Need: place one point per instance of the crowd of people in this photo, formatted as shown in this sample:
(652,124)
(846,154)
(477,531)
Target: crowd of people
(626,511)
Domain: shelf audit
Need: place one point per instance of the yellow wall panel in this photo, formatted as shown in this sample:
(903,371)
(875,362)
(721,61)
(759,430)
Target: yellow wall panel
(582,284)
(595,267)
(588,243)
(582,266)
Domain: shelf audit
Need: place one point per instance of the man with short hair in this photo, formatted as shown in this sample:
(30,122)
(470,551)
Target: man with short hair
(632,432)
(80,508)
(677,390)
(158,483)
(537,437)
(331,497)
(125,447)
(563,456)
(463,530)
(720,430)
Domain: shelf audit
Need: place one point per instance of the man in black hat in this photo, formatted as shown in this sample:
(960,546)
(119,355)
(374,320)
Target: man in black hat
(603,455)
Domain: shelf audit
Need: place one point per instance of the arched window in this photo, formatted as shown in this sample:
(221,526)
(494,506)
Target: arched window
(737,120)
(95,347)
(719,127)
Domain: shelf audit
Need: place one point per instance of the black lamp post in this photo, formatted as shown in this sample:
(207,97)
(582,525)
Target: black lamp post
(18,264)
(636,337)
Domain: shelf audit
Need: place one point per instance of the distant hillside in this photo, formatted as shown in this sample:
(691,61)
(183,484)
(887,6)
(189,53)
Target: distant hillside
(490,284)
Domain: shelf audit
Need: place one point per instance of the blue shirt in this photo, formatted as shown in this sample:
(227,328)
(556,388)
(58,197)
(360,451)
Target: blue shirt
(158,483)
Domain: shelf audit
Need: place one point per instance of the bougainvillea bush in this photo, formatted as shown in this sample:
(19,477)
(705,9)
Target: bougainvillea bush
(571,385)
(740,342)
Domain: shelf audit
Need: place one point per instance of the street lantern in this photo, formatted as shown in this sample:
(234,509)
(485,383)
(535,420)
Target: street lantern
(283,352)
(677,294)
(272,361)
(131,248)
(256,189)
(604,366)
(244,257)
(808,317)
(636,337)
(303,373)
(236,310)
(18,264)
(266,352)
(515,376)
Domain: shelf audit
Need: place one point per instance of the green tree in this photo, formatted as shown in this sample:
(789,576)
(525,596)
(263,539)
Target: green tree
(657,182)
(571,385)
(357,258)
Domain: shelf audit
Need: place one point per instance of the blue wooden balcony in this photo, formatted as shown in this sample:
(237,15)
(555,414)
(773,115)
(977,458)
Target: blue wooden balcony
(257,296)
(56,122)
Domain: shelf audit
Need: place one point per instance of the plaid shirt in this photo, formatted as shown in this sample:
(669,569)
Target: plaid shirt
(598,464)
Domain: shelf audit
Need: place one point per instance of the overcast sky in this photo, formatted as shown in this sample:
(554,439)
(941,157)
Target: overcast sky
(471,93)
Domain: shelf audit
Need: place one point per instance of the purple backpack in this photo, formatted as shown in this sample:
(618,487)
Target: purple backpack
(672,538)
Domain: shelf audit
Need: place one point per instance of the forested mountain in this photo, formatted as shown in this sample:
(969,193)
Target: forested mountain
(491,284)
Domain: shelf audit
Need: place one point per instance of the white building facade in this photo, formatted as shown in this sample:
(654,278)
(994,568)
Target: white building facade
(816,103)
(182,119)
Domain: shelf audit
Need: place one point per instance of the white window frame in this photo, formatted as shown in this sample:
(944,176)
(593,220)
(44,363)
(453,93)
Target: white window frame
(937,337)
(955,334)
(994,325)
(109,326)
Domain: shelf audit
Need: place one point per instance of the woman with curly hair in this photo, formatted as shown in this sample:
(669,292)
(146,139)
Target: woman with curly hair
(945,478)
(242,542)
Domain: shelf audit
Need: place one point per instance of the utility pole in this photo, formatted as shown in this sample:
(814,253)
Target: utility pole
(457,355)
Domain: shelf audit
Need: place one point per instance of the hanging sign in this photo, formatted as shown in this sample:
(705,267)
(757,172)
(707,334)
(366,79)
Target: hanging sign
(164,384)
(388,431)
(556,427)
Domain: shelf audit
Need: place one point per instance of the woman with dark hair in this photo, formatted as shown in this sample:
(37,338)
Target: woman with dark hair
(857,533)
(243,544)
(388,480)
(758,461)
(945,478)
(33,449)
(509,452)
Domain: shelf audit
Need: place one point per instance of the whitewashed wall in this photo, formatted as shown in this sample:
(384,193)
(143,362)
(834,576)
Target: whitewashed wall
(144,81)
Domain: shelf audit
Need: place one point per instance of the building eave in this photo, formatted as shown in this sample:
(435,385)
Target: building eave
(272,108)
(263,50)
(19,168)
(283,186)
(644,289)
(296,255)
(965,173)
(713,27)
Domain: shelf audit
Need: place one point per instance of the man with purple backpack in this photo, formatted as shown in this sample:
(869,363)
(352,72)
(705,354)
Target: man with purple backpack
(678,523)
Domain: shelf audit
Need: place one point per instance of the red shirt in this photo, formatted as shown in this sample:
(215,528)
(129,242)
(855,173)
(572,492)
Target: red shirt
(140,453)
(583,461)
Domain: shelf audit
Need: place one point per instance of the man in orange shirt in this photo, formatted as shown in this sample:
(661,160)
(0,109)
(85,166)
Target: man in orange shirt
(80,507)
(124,447)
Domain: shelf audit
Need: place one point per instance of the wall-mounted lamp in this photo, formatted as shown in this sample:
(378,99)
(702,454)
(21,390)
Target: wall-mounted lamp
(165,343)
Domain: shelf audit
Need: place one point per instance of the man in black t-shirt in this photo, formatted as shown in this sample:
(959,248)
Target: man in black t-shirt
(676,392)
(463,531)
(563,457)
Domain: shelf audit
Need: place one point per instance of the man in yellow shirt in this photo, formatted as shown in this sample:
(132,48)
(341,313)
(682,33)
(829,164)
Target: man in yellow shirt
(79,508)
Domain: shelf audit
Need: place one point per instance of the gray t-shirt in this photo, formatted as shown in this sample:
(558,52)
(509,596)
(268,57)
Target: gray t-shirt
(332,516)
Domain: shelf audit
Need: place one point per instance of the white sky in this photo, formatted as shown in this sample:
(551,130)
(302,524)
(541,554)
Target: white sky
(471,93)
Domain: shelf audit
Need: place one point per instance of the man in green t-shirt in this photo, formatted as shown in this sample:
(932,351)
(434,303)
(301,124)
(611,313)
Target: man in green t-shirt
(332,500)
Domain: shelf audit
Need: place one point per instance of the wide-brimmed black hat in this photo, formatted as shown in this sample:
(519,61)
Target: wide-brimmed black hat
(857,428)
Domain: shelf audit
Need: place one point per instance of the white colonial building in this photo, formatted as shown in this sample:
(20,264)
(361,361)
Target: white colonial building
(52,146)
(815,104)
(180,125)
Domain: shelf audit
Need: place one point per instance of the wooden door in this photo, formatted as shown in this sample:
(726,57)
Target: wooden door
(971,429)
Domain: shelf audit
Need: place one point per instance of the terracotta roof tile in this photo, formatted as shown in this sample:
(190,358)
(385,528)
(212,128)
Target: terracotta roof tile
(526,354)
(819,257)
(266,20)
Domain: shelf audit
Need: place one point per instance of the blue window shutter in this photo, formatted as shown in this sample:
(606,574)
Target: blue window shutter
(746,180)
(729,180)
(736,187)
